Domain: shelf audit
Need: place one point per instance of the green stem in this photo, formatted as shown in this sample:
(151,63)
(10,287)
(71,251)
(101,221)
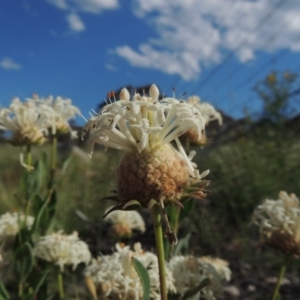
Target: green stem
(53,162)
(60,285)
(156,217)
(20,291)
(28,155)
(28,162)
(280,276)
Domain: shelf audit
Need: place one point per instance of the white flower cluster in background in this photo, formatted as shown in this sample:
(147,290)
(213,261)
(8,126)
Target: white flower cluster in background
(124,222)
(61,250)
(32,120)
(10,224)
(118,279)
(189,271)
(61,110)
(207,110)
(27,123)
(282,214)
(144,123)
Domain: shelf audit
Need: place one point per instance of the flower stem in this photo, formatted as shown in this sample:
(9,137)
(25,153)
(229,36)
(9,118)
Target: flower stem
(53,162)
(60,285)
(28,162)
(156,217)
(280,276)
(20,290)
(28,155)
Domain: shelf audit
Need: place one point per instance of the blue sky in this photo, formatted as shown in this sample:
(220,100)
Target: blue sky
(82,49)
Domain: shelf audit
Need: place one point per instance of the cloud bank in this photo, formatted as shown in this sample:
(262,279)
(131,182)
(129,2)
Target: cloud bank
(192,34)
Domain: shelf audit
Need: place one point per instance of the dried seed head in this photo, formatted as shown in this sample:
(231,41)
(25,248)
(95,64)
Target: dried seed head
(160,173)
(283,241)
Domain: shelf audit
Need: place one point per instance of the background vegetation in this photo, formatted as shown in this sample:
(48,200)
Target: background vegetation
(250,160)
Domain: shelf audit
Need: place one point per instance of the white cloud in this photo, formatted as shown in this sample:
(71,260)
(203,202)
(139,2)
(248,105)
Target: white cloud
(75,22)
(111,67)
(61,4)
(192,33)
(95,6)
(75,7)
(8,64)
(89,6)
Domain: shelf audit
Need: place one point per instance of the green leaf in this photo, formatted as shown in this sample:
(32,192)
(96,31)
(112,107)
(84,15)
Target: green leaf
(151,203)
(182,245)
(52,205)
(40,212)
(4,295)
(112,198)
(193,291)
(188,206)
(66,164)
(46,213)
(132,205)
(40,283)
(144,277)
(23,261)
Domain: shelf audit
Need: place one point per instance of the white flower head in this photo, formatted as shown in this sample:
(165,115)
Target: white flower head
(28,124)
(118,279)
(220,265)
(62,111)
(10,224)
(206,109)
(124,222)
(143,122)
(189,271)
(62,249)
(279,222)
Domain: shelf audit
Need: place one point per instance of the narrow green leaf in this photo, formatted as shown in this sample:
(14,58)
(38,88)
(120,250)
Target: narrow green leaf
(144,277)
(193,291)
(66,164)
(188,206)
(23,261)
(4,295)
(40,283)
(39,207)
(182,245)
(112,198)
(132,205)
(151,203)
(52,205)
(116,207)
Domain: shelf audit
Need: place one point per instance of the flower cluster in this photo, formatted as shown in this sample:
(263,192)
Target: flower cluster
(31,121)
(279,223)
(62,249)
(10,224)
(208,112)
(143,123)
(115,276)
(143,128)
(61,110)
(189,271)
(25,120)
(124,222)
